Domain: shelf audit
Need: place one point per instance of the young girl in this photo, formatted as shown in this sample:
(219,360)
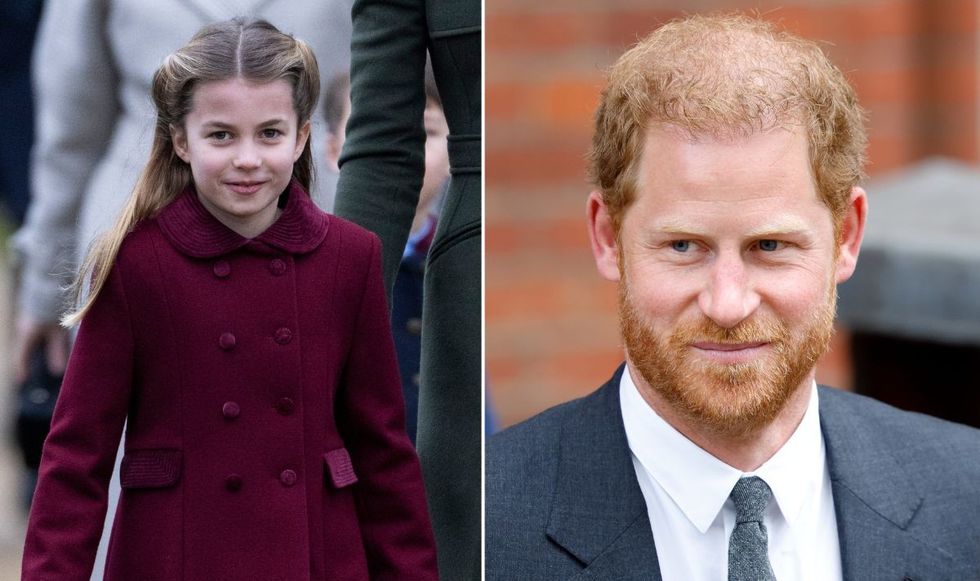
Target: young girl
(244,335)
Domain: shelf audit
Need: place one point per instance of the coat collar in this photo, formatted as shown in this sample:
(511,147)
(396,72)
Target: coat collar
(598,513)
(191,229)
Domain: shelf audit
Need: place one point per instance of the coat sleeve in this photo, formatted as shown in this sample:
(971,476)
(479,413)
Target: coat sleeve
(382,163)
(69,505)
(390,495)
(76,107)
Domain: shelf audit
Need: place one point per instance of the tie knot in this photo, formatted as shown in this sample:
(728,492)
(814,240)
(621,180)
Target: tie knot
(751,496)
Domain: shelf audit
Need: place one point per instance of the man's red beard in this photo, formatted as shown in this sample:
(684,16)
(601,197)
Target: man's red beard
(729,399)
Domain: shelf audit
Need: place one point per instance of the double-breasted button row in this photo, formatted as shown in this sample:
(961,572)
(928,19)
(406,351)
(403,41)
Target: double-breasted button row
(282,336)
(285,406)
(222,268)
(288,477)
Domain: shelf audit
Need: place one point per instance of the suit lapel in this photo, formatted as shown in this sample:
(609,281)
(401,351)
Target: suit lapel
(875,501)
(598,514)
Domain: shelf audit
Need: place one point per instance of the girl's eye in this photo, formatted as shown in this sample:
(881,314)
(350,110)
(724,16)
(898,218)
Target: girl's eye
(271,133)
(681,245)
(220,135)
(768,245)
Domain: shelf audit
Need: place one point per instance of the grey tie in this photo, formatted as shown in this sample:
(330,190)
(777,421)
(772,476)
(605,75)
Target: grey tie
(748,548)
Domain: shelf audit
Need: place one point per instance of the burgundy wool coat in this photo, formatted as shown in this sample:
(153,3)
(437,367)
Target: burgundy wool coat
(265,436)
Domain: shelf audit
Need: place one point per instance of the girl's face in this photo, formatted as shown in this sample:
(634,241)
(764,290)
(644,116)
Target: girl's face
(241,140)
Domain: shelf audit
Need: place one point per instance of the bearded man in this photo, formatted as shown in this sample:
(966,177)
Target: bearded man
(726,158)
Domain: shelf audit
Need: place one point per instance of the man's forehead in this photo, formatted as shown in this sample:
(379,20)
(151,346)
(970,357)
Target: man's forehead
(675,155)
(759,183)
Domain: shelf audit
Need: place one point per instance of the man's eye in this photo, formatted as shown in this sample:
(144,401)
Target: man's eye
(681,245)
(768,245)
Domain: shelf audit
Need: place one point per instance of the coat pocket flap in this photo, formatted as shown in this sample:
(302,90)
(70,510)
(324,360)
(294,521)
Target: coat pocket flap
(340,468)
(150,468)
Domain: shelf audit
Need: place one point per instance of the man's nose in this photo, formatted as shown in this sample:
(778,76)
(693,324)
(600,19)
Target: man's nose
(728,298)
(247,156)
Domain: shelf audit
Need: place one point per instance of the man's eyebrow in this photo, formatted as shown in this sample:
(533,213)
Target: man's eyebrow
(678,228)
(789,227)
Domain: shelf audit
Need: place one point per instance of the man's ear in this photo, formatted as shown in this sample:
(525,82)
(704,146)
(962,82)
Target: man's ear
(851,234)
(602,235)
(179,138)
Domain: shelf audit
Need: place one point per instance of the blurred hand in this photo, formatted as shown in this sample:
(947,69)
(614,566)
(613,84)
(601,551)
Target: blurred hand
(31,334)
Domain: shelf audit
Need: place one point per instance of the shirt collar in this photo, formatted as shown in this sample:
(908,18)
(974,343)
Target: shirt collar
(698,482)
(189,226)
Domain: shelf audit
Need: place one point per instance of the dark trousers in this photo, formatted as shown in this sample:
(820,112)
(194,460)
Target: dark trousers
(450,400)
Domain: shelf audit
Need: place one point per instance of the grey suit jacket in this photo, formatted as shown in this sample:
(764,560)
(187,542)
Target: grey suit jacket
(562,500)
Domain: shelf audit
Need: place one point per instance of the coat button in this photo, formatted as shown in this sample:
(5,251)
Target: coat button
(416,379)
(277,267)
(227,341)
(233,482)
(414,326)
(222,269)
(285,406)
(283,335)
(288,477)
(230,410)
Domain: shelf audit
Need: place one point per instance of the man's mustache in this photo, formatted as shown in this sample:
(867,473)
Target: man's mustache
(749,331)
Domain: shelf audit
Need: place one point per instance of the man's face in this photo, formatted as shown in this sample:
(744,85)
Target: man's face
(727,273)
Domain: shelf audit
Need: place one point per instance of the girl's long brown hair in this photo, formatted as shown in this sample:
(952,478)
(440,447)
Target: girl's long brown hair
(240,48)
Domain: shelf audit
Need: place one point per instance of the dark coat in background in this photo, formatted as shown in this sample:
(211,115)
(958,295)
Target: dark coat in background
(380,177)
(563,501)
(265,435)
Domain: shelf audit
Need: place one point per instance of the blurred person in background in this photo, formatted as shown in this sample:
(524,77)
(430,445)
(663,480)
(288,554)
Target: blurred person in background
(18,26)
(92,68)
(726,158)
(381,175)
(406,308)
(37,390)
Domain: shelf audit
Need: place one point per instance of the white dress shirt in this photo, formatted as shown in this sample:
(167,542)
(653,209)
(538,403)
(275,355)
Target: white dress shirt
(686,492)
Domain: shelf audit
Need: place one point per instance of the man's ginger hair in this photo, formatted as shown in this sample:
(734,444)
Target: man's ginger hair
(727,76)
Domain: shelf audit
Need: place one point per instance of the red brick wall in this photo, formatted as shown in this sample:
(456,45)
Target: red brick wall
(551,330)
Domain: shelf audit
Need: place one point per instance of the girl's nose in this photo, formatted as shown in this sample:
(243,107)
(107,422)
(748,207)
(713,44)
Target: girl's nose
(247,157)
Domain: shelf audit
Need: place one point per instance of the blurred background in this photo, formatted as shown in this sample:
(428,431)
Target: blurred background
(12,515)
(551,329)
